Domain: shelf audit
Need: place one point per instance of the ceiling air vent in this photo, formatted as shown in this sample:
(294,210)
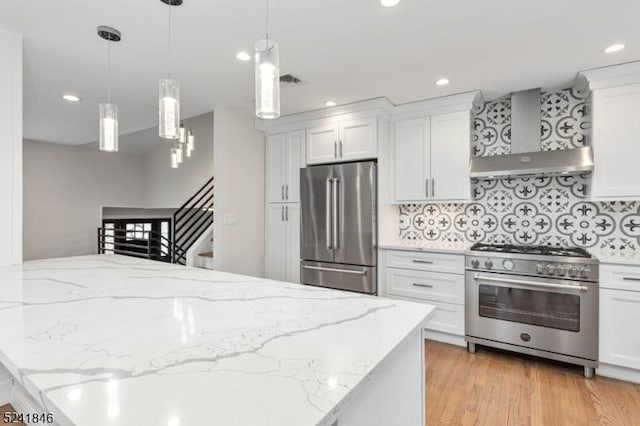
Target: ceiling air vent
(289,80)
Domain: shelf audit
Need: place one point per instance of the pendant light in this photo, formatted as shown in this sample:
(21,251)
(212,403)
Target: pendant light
(108,139)
(182,134)
(267,58)
(169,94)
(190,143)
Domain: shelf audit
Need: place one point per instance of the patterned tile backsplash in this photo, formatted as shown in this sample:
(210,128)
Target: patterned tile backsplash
(536,210)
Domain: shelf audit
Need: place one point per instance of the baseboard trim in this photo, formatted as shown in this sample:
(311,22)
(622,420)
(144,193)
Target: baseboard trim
(619,373)
(439,336)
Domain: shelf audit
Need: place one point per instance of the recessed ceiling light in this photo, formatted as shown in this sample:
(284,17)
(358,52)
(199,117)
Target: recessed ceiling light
(442,82)
(330,103)
(614,48)
(389,3)
(71,98)
(243,56)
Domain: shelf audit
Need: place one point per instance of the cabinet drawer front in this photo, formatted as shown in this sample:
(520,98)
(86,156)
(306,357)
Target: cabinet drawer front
(433,262)
(434,286)
(449,318)
(620,277)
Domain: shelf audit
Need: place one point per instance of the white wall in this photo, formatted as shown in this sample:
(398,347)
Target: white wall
(239,175)
(64,191)
(167,187)
(11,149)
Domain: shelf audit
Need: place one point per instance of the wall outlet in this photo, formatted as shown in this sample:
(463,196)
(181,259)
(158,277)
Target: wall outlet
(229,219)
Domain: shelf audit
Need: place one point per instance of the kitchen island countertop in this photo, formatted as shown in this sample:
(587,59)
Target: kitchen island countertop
(109,340)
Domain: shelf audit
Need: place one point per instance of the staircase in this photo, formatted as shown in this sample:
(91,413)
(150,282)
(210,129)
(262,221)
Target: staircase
(189,222)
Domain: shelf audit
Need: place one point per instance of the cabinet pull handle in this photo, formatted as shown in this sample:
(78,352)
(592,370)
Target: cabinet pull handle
(427,188)
(433,187)
(335,149)
(422,285)
(286,210)
(340,149)
(282,214)
(426,262)
(282,193)
(631,279)
(286,193)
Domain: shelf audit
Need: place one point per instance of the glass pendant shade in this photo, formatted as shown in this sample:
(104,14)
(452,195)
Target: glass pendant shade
(174,158)
(108,127)
(182,134)
(169,112)
(267,79)
(190,143)
(179,153)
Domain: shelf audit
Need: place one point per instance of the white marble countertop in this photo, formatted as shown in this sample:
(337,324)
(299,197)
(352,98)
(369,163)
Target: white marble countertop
(431,247)
(114,340)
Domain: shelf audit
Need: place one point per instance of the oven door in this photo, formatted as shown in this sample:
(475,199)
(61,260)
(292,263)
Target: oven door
(552,315)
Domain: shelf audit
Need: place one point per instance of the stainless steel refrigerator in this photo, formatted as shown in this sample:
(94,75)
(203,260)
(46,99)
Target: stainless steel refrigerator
(339,245)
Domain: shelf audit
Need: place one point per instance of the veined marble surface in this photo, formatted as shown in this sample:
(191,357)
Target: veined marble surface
(114,340)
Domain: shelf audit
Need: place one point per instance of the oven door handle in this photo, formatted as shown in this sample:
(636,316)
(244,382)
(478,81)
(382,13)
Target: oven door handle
(531,283)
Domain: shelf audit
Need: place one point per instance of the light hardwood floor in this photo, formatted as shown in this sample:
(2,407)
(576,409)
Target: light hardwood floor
(4,409)
(497,388)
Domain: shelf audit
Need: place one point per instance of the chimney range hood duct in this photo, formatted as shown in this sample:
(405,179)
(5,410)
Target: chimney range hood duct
(526,158)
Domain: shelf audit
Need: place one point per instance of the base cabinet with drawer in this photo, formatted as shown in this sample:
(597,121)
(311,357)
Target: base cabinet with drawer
(619,347)
(429,277)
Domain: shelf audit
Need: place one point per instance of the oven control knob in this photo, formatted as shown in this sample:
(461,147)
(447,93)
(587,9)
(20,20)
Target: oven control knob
(584,272)
(475,263)
(573,271)
(488,264)
(540,268)
(550,269)
(561,270)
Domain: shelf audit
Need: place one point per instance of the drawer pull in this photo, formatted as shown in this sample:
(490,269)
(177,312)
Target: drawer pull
(631,279)
(422,285)
(426,262)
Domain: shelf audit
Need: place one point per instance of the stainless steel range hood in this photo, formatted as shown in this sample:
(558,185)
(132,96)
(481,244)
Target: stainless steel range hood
(526,158)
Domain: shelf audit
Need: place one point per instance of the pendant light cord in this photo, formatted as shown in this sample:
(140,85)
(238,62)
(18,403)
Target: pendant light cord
(109,71)
(267,24)
(169,53)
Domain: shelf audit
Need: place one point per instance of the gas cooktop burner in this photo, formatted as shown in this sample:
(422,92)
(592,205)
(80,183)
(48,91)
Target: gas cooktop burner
(533,250)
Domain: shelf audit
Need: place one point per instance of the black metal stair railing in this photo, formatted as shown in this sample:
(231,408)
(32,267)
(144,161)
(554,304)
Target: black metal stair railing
(145,244)
(192,219)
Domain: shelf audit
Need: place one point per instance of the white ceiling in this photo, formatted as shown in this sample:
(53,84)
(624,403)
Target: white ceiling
(346,50)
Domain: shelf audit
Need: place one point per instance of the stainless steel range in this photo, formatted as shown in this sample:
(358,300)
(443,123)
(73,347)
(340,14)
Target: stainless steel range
(536,300)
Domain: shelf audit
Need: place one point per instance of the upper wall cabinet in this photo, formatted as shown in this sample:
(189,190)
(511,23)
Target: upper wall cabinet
(284,158)
(432,158)
(343,141)
(615,102)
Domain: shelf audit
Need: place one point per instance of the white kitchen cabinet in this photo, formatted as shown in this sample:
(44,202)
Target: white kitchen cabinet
(619,319)
(450,155)
(343,141)
(282,244)
(434,278)
(284,158)
(432,158)
(412,159)
(616,149)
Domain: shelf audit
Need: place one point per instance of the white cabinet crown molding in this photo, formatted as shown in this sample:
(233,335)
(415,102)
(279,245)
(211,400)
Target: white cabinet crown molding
(467,101)
(606,77)
(378,107)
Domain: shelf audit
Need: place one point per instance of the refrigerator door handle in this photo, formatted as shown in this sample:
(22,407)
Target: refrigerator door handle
(334,219)
(328,213)
(344,271)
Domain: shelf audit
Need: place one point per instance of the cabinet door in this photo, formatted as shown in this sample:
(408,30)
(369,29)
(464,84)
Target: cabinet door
(616,149)
(292,218)
(322,144)
(276,160)
(295,160)
(275,256)
(450,154)
(358,140)
(619,319)
(412,160)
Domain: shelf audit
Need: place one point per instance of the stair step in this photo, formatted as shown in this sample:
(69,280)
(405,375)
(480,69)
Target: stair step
(206,254)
